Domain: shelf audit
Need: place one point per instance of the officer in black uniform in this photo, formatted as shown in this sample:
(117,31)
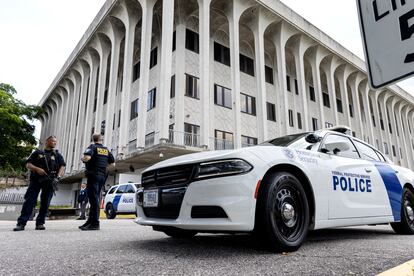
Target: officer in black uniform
(47,167)
(97,159)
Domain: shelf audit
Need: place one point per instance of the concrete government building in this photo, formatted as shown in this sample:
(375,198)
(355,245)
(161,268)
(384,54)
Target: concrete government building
(161,78)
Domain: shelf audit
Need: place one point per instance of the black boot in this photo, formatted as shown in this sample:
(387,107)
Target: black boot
(86,224)
(19,227)
(90,227)
(40,227)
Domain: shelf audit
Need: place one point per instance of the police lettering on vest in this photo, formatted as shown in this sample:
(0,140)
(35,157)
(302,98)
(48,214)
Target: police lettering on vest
(100,158)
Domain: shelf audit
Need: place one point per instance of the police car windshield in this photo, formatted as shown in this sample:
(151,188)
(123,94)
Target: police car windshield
(293,141)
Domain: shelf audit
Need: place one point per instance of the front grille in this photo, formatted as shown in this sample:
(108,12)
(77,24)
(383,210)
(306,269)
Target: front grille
(172,183)
(167,176)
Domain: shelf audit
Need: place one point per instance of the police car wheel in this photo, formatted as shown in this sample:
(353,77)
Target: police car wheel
(110,211)
(176,232)
(406,225)
(282,213)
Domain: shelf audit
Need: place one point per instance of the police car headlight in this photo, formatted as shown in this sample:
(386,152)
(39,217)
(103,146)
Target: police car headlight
(222,168)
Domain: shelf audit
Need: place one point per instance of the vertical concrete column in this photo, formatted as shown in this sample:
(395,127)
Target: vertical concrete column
(146,35)
(301,46)
(343,76)
(378,119)
(69,88)
(113,77)
(93,65)
(330,74)
(165,69)
(75,77)
(403,117)
(280,38)
(54,115)
(410,137)
(234,17)
(63,116)
(204,29)
(180,82)
(387,96)
(60,114)
(368,115)
(394,106)
(317,57)
(81,106)
(103,67)
(355,81)
(258,32)
(42,129)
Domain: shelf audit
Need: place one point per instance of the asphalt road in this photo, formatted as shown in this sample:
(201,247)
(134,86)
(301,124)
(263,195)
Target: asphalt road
(122,247)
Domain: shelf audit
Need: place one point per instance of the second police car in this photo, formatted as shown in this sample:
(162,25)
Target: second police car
(120,199)
(278,190)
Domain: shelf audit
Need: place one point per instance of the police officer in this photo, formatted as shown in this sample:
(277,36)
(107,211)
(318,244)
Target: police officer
(47,167)
(97,159)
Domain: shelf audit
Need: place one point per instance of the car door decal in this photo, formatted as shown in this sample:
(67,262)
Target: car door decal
(393,187)
(115,203)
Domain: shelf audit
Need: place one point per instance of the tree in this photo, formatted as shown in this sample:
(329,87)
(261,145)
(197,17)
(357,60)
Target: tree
(16,131)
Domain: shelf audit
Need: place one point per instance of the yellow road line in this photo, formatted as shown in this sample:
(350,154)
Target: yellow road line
(406,269)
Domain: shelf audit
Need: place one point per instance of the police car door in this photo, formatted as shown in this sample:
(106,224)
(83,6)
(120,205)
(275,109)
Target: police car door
(128,199)
(351,194)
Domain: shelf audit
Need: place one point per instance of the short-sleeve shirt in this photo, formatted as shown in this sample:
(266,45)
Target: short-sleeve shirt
(101,157)
(49,160)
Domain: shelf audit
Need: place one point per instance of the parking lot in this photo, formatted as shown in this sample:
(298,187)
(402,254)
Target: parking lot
(123,248)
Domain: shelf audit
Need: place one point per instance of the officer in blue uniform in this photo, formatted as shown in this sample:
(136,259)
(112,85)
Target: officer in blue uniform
(97,159)
(46,168)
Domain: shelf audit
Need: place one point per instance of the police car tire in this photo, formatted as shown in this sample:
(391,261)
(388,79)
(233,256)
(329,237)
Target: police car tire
(405,226)
(110,211)
(281,188)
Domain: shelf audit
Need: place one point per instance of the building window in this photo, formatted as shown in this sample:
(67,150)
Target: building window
(296,87)
(393,151)
(401,155)
(105,96)
(192,41)
(224,140)
(221,54)
(271,112)
(172,88)
(390,127)
(134,111)
(290,118)
(339,105)
(222,96)
(248,104)
(377,144)
(246,65)
(269,74)
(386,148)
(328,125)
(351,111)
(103,124)
(248,141)
(312,94)
(299,120)
(151,99)
(136,71)
(153,57)
(325,97)
(373,121)
(149,139)
(191,135)
(315,124)
(353,134)
(174,42)
(382,124)
(288,83)
(95,102)
(119,117)
(192,86)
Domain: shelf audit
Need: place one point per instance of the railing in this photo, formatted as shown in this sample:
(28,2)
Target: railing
(184,139)
(220,144)
(11,198)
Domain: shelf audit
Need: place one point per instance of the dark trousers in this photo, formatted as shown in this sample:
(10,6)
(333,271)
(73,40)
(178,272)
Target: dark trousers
(30,202)
(83,209)
(93,187)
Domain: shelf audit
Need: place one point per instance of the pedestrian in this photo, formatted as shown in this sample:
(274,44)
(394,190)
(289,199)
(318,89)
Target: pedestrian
(97,159)
(46,168)
(82,201)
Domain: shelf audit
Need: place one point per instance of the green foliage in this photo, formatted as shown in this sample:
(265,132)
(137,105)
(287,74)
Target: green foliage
(16,131)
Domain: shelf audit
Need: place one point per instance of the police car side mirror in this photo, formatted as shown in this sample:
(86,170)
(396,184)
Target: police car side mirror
(312,138)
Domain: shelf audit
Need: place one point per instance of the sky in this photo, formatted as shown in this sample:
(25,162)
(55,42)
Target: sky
(39,35)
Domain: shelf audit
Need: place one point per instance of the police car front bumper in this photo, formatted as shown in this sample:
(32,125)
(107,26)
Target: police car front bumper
(216,204)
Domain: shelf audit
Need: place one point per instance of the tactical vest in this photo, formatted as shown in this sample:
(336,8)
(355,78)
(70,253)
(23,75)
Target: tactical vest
(99,160)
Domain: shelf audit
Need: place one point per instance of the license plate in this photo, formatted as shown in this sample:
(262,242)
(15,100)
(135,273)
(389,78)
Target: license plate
(151,198)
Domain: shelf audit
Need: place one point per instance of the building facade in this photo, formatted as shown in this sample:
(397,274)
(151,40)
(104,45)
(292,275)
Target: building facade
(162,78)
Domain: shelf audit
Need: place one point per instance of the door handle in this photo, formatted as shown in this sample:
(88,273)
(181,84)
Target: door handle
(396,171)
(368,170)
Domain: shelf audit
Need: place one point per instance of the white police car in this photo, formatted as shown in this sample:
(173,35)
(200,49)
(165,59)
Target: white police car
(279,189)
(120,199)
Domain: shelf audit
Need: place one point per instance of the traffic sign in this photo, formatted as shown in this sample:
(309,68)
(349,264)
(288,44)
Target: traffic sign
(387,28)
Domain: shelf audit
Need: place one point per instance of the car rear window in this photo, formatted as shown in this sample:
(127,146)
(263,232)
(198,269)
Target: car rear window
(112,190)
